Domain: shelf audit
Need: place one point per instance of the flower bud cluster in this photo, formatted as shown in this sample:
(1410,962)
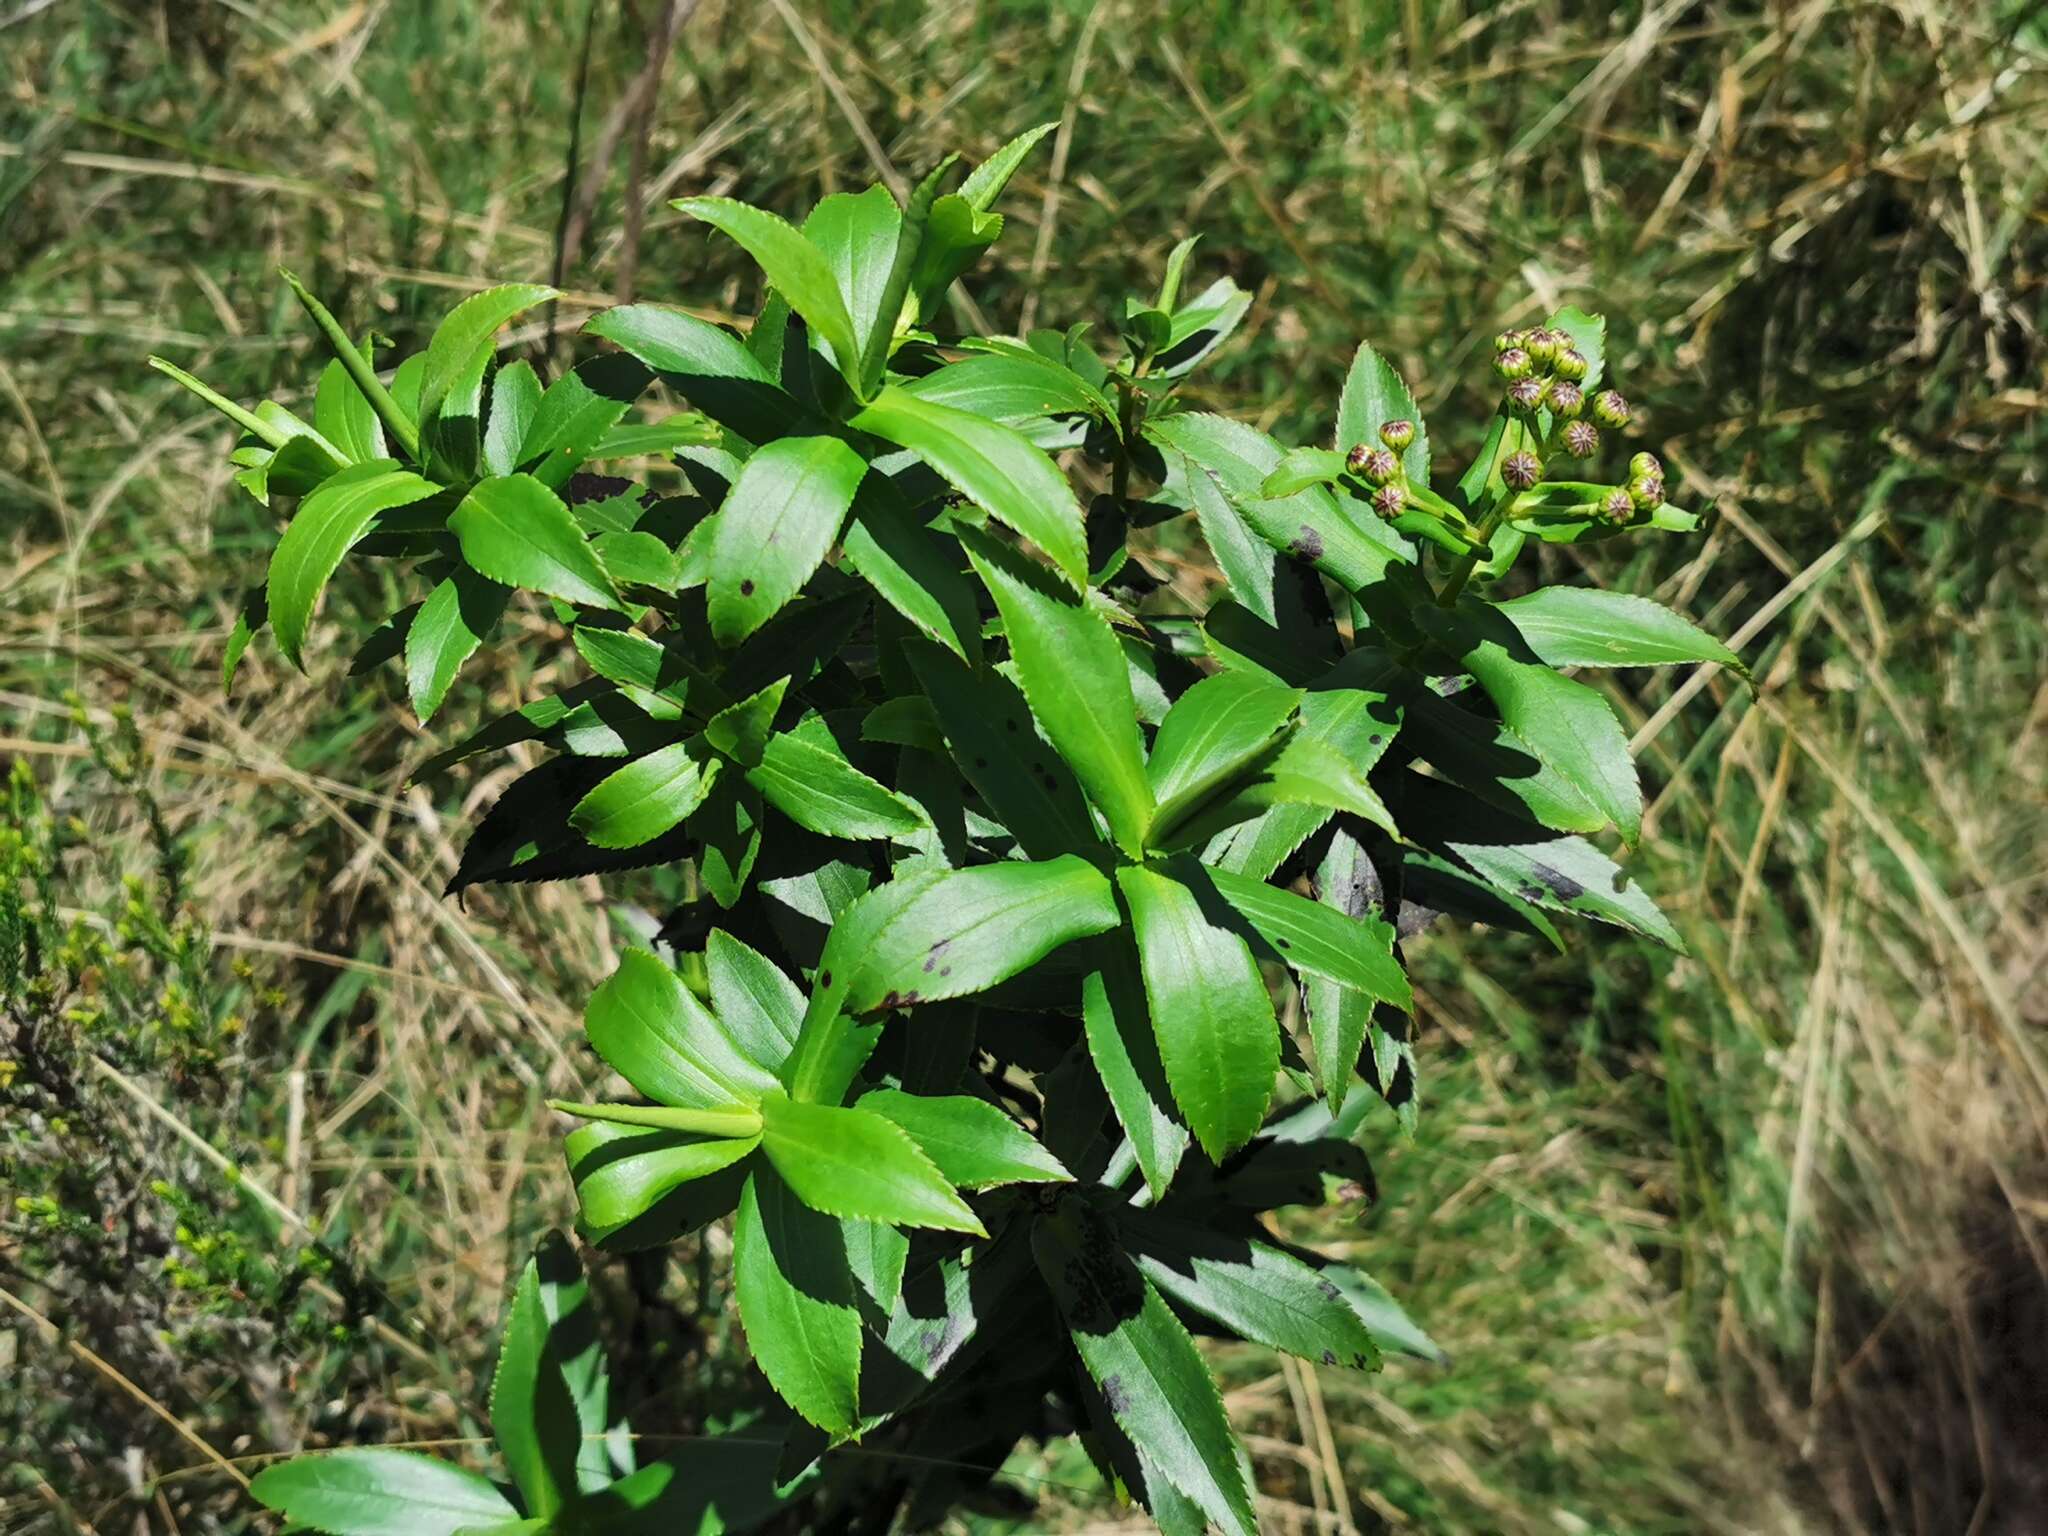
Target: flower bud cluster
(1542,370)
(1380,467)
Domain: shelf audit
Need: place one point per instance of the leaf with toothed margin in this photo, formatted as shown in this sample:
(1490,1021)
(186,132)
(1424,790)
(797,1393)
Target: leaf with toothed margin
(852,1162)
(327,523)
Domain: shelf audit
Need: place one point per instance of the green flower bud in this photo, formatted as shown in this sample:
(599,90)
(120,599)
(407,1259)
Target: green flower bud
(1512,364)
(1525,396)
(1376,466)
(1617,506)
(1646,492)
(1521,470)
(1390,501)
(1355,459)
(1566,398)
(1581,439)
(1544,344)
(1571,364)
(1397,435)
(1507,339)
(1610,410)
(1643,465)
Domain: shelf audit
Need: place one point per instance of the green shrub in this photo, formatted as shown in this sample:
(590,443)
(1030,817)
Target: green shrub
(1015,852)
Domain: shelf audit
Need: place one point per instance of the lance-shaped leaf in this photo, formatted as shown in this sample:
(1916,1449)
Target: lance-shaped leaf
(637,803)
(370,1491)
(971,1142)
(1219,1039)
(462,343)
(794,267)
(1147,1368)
(1257,1291)
(1567,724)
(961,227)
(1077,683)
(988,727)
(517,531)
(1586,627)
(1563,874)
(796,1299)
(1125,1049)
(759,1006)
(1373,396)
(327,524)
(804,774)
(1015,384)
(573,1336)
(965,930)
(656,1035)
(576,412)
(1212,732)
(345,418)
(776,525)
(857,233)
(708,367)
(914,570)
(454,620)
(1387,1320)
(533,1417)
(993,466)
(855,1163)
(638,1186)
(1490,760)
(1356,952)
(1339,1016)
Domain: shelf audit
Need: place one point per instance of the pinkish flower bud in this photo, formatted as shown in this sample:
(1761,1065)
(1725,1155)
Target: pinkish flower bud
(1646,492)
(1610,410)
(1581,439)
(1525,396)
(1617,506)
(1507,339)
(1642,465)
(1512,364)
(1397,434)
(1543,345)
(1571,364)
(1375,466)
(1355,459)
(1566,398)
(1390,501)
(1521,470)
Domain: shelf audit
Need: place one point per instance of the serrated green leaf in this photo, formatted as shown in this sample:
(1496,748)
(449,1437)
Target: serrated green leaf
(1300,468)
(532,1415)
(1257,1291)
(576,412)
(990,464)
(857,234)
(517,531)
(794,267)
(759,1006)
(741,730)
(1374,395)
(1200,326)
(1356,952)
(515,395)
(777,524)
(637,803)
(1219,1039)
(713,1485)
(1586,627)
(1209,736)
(855,1163)
(1077,683)
(973,1144)
(462,342)
(624,1175)
(1125,1050)
(1339,1016)
(1013,385)
(912,569)
(1147,1368)
(455,619)
(655,1034)
(345,418)
(961,227)
(796,1300)
(804,774)
(708,367)
(370,1491)
(1387,1320)
(327,524)
(1494,763)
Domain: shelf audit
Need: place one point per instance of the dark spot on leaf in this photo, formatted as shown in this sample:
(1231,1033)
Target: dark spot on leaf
(1361,1362)
(1528,890)
(1286,943)
(1307,545)
(1329,1357)
(936,953)
(945,970)
(824,978)
(1375,738)
(1010,725)
(747,588)
(1114,1395)
(1329,1289)
(1561,884)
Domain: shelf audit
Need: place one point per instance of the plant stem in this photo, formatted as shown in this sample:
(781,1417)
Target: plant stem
(703,1122)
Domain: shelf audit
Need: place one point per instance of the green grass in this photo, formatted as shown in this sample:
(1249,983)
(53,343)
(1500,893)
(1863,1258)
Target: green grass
(1743,1241)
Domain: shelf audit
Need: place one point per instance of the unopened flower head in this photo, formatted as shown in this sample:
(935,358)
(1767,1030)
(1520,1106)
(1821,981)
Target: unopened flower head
(1646,491)
(1514,363)
(1397,434)
(1566,398)
(1376,466)
(1581,439)
(1617,506)
(1525,396)
(1544,344)
(1571,364)
(1355,459)
(1390,501)
(1643,465)
(1521,470)
(1610,410)
(1507,339)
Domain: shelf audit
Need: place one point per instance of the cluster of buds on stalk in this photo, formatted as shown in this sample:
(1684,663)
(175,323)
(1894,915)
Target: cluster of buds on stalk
(1380,468)
(1543,371)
